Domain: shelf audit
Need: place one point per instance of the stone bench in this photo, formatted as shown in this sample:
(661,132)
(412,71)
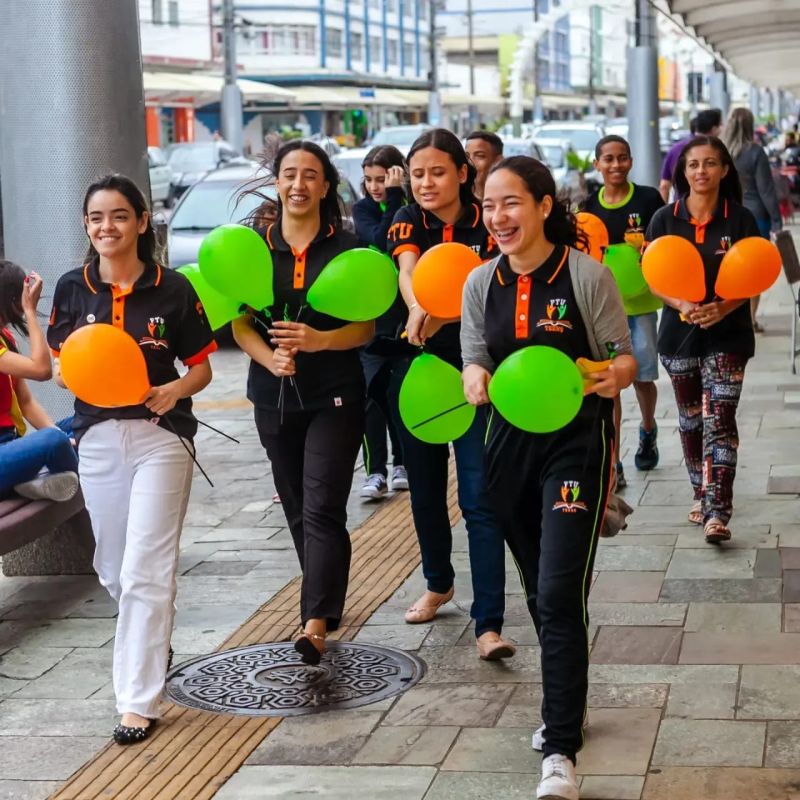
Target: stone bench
(40,537)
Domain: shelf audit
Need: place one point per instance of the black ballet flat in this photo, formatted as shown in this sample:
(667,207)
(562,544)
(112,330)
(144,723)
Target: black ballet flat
(125,734)
(308,652)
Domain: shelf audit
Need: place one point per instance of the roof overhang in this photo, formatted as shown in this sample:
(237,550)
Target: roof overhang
(757,38)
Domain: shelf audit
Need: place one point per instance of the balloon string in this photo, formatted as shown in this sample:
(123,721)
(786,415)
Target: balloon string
(188,415)
(440,414)
(187,448)
(281,396)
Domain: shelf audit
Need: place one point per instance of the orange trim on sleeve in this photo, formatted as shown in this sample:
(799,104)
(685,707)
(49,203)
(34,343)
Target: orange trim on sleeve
(558,268)
(447,233)
(299,268)
(523,306)
(200,357)
(55,353)
(405,248)
(118,308)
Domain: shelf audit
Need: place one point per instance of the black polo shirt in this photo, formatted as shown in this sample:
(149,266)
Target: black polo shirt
(627,220)
(323,379)
(733,334)
(537,309)
(161,311)
(415,230)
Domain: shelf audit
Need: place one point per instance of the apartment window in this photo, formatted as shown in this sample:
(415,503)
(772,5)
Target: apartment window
(157,12)
(286,40)
(391,5)
(375,49)
(333,42)
(423,8)
(356,46)
(374,3)
(408,54)
(172,12)
(391,46)
(561,42)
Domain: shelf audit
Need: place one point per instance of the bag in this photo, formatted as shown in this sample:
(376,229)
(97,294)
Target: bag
(615,520)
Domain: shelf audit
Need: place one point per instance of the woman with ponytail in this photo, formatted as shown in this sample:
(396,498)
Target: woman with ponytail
(549,491)
(445,210)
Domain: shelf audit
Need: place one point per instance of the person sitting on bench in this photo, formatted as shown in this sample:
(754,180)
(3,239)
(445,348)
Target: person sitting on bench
(42,464)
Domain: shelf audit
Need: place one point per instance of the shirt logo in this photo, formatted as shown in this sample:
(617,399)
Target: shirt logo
(724,245)
(400,230)
(569,503)
(157,329)
(555,322)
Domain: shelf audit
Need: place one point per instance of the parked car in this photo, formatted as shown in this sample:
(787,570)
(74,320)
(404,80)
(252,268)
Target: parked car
(191,161)
(327,143)
(348,162)
(216,199)
(401,136)
(583,136)
(567,178)
(160,175)
(521,147)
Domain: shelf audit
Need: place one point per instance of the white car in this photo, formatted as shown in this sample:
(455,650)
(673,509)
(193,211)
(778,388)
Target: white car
(160,175)
(583,136)
(567,178)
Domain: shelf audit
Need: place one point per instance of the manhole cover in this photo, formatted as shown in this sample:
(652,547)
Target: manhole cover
(269,680)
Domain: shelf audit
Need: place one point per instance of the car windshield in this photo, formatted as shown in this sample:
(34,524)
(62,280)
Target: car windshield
(553,156)
(194,157)
(399,137)
(211,203)
(517,149)
(580,138)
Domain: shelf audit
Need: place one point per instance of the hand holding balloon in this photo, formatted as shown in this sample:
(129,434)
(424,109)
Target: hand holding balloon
(283,362)
(414,327)
(476,384)
(298,336)
(710,314)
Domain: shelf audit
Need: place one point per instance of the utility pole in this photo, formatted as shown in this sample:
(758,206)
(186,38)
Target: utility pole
(591,87)
(538,108)
(232,123)
(434,106)
(471,54)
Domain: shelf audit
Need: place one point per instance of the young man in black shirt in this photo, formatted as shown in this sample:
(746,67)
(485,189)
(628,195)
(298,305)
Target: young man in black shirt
(626,209)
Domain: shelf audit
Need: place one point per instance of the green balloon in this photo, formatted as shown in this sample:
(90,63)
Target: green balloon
(537,389)
(625,265)
(236,262)
(220,310)
(356,286)
(432,403)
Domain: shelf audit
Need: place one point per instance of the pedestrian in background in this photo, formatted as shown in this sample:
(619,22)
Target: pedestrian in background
(307,385)
(759,194)
(549,491)
(706,362)
(136,461)
(626,210)
(445,210)
(484,150)
(383,189)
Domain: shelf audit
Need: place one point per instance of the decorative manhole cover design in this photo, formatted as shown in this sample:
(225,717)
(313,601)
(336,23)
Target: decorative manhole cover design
(269,680)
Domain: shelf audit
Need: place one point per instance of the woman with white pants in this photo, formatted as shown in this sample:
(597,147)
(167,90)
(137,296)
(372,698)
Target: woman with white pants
(136,461)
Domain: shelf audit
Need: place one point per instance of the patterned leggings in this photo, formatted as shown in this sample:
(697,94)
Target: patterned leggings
(707,391)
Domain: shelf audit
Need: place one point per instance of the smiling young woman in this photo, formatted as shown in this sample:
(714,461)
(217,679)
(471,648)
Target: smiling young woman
(506,308)
(307,386)
(135,472)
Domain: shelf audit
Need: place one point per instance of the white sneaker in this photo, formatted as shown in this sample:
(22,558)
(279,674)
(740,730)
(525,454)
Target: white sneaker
(58,487)
(374,487)
(537,740)
(559,781)
(399,479)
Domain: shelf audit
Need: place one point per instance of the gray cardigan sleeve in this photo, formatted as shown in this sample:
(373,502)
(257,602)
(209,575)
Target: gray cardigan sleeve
(473,314)
(765,184)
(601,306)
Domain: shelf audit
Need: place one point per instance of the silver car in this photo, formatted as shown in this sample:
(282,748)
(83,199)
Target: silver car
(160,175)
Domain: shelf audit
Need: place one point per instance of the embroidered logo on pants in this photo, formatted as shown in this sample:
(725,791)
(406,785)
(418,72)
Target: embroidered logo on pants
(569,503)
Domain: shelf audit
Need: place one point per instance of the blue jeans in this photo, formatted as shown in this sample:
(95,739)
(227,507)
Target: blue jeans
(23,457)
(427,482)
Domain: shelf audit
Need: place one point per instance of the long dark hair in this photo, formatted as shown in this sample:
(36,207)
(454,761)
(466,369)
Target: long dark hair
(448,142)
(12,280)
(384,155)
(146,248)
(561,225)
(730,187)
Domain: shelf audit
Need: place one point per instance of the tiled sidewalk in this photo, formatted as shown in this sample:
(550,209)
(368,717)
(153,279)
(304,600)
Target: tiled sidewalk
(696,659)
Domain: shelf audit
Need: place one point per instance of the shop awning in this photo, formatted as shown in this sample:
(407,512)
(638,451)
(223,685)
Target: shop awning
(467,100)
(198,89)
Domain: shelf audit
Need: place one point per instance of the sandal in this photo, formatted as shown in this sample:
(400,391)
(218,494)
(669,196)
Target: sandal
(716,531)
(419,613)
(696,513)
(309,652)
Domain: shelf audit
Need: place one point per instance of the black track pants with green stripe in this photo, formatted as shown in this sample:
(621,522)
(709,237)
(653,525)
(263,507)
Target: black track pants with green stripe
(549,493)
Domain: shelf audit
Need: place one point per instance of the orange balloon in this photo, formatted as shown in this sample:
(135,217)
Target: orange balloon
(439,277)
(750,267)
(103,366)
(597,232)
(672,266)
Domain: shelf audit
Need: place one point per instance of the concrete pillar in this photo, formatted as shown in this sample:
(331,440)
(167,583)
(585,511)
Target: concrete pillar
(71,110)
(755,101)
(643,98)
(719,97)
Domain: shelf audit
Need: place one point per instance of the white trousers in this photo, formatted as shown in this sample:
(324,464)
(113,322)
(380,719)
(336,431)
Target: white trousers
(136,479)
